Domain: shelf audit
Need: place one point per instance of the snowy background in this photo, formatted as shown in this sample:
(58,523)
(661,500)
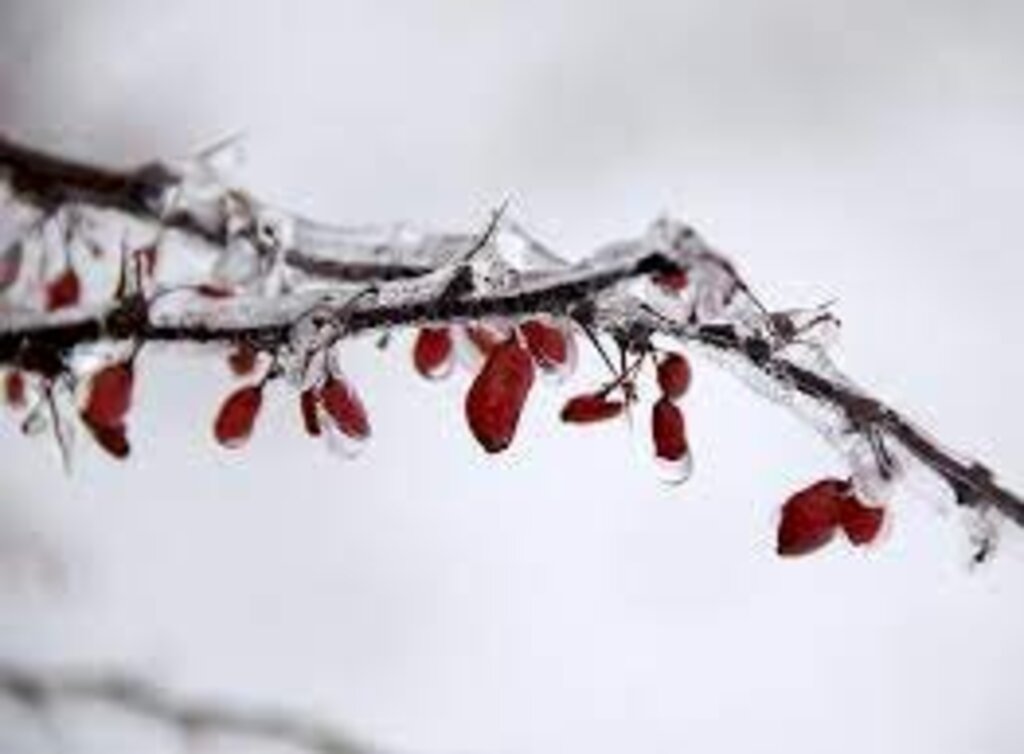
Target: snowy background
(556,599)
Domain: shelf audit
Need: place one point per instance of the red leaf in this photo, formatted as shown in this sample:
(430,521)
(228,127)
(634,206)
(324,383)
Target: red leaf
(810,517)
(242,359)
(674,375)
(110,395)
(590,408)
(495,400)
(63,291)
(861,523)
(433,351)
(308,400)
(548,345)
(668,430)
(237,416)
(343,406)
(112,439)
(673,281)
(14,389)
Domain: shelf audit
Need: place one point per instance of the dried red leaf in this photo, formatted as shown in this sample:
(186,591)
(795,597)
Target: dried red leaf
(674,375)
(548,345)
(113,439)
(433,351)
(590,408)
(810,517)
(343,406)
(308,402)
(110,395)
(861,523)
(237,416)
(242,359)
(63,291)
(14,389)
(668,430)
(496,398)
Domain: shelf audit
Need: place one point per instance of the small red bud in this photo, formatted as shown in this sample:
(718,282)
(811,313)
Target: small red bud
(110,395)
(242,359)
(861,523)
(343,406)
(590,408)
(308,401)
(810,517)
(674,375)
(548,345)
(433,351)
(669,430)
(14,389)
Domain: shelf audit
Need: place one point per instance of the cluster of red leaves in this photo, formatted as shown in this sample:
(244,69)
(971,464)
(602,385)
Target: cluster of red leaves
(107,404)
(495,400)
(668,428)
(330,399)
(811,517)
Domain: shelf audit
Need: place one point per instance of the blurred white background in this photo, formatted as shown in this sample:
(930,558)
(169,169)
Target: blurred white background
(558,598)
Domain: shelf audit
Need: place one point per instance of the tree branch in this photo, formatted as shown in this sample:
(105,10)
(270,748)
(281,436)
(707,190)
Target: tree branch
(37,690)
(359,280)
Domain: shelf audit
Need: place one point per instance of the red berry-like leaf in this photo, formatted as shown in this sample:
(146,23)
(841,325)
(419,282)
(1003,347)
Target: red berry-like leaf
(113,439)
(668,430)
(110,395)
(674,376)
(14,389)
(242,359)
(548,345)
(495,400)
(308,402)
(861,523)
(237,416)
(63,291)
(590,408)
(810,517)
(433,351)
(344,407)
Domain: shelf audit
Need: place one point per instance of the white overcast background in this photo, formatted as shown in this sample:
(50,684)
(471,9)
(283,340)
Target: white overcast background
(556,599)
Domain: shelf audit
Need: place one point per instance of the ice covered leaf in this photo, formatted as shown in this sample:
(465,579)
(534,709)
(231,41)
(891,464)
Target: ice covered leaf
(495,400)
(674,375)
(345,408)
(433,352)
(810,517)
(309,400)
(548,344)
(590,408)
(110,395)
(668,430)
(237,416)
(63,291)
(14,389)
(861,523)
